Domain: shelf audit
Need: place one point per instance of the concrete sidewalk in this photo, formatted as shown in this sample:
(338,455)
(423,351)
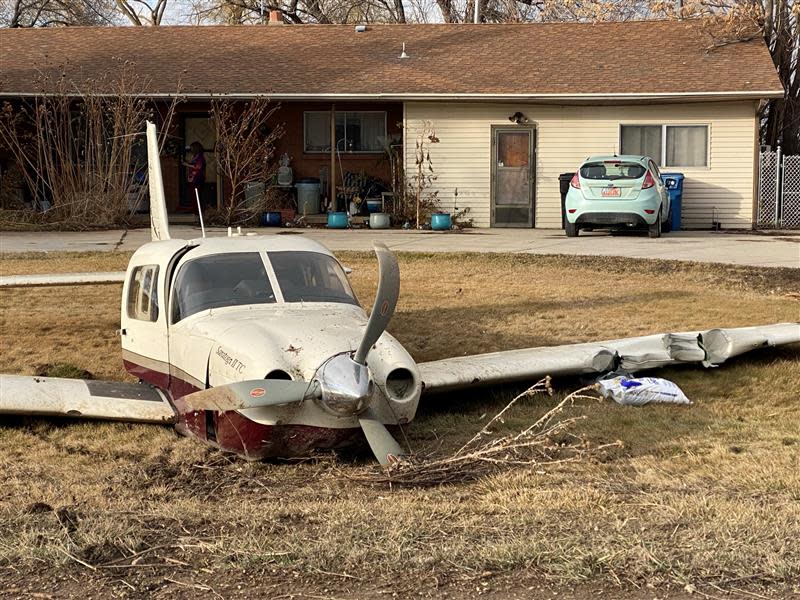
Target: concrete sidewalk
(701,246)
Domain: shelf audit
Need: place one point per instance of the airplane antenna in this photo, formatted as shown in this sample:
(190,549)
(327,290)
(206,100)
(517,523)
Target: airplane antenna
(200,211)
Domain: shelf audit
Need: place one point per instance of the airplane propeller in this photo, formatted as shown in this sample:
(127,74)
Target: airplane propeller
(385,301)
(251,394)
(342,385)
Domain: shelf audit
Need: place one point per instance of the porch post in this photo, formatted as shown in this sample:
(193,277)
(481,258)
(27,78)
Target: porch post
(333,159)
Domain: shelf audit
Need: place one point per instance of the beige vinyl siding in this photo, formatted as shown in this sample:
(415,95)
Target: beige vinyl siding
(566,135)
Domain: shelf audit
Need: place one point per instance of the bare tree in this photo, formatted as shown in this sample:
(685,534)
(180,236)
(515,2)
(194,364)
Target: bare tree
(48,13)
(300,11)
(143,12)
(80,147)
(245,151)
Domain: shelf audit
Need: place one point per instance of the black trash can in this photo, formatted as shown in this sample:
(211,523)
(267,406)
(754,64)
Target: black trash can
(563,185)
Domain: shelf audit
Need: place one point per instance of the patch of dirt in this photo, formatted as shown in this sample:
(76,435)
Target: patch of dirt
(194,581)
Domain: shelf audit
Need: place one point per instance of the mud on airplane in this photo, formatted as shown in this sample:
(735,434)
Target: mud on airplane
(258,345)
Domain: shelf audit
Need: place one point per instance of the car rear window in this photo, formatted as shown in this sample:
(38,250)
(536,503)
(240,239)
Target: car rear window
(612,170)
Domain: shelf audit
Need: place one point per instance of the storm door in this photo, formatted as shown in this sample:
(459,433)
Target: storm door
(513,164)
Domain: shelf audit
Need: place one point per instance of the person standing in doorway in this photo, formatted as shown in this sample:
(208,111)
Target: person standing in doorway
(196,173)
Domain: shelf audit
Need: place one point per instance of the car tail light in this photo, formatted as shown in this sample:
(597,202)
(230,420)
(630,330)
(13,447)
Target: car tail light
(648,181)
(571,210)
(576,183)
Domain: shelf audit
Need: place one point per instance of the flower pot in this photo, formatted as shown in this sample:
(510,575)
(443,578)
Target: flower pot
(379,220)
(338,220)
(441,221)
(271,219)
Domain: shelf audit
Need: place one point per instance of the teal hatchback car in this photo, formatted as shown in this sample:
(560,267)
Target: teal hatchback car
(618,192)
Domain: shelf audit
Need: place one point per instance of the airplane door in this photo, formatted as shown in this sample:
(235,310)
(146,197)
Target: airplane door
(145,343)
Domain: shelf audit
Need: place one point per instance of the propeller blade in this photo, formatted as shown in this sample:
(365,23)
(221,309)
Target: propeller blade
(383,445)
(385,300)
(251,394)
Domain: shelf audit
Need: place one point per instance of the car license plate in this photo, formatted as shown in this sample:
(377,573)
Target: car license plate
(612,192)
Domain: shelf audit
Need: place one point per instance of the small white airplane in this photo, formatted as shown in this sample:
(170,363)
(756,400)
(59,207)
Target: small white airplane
(258,345)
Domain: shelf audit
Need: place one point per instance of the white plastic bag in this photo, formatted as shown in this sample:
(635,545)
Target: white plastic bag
(637,391)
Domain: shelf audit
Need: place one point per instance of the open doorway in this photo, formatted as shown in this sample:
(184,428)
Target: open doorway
(199,127)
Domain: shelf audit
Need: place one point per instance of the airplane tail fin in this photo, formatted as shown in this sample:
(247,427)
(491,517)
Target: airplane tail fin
(159,224)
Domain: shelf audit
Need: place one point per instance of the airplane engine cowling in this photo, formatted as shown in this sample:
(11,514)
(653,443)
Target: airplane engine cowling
(226,365)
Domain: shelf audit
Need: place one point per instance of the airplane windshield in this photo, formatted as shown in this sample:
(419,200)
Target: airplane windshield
(311,277)
(219,280)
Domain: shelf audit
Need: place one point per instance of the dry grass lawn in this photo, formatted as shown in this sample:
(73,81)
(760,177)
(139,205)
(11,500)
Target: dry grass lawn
(703,498)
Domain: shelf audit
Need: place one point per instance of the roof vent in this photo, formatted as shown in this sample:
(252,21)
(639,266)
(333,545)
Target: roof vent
(403,53)
(361,28)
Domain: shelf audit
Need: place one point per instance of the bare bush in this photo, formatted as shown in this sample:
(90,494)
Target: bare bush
(547,441)
(80,148)
(416,201)
(245,152)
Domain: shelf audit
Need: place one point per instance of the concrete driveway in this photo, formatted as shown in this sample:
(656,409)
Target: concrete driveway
(703,246)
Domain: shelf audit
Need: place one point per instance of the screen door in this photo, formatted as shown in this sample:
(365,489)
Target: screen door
(512,176)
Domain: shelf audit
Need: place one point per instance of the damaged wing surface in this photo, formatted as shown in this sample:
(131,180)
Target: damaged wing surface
(62,279)
(710,348)
(50,396)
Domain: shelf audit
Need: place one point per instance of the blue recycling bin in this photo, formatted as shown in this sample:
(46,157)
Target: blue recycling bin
(674,184)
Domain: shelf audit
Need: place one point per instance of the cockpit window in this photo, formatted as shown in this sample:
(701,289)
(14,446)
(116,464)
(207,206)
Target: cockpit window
(219,280)
(311,277)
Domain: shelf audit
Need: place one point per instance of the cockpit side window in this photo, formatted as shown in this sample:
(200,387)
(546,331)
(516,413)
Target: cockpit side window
(311,277)
(143,293)
(219,280)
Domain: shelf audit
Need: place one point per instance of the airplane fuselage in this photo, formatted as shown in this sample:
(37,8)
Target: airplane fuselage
(212,312)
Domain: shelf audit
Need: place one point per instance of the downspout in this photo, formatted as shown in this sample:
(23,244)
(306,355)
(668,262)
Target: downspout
(756,166)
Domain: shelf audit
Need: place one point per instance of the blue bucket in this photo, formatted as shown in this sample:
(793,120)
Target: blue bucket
(337,220)
(271,219)
(441,221)
(374,206)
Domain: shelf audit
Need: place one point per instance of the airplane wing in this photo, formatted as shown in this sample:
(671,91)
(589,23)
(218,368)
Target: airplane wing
(62,279)
(709,348)
(89,399)
(159,222)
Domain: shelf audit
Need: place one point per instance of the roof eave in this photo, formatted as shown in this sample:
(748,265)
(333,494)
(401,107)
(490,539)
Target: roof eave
(423,97)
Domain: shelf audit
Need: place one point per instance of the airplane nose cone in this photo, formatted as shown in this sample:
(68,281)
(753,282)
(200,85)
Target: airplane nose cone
(345,386)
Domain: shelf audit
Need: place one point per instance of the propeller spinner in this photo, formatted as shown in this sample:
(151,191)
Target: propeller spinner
(342,385)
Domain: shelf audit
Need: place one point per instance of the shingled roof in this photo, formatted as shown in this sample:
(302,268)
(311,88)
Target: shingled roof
(543,61)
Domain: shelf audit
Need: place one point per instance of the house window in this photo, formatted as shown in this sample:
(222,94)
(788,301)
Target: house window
(143,293)
(355,131)
(667,145)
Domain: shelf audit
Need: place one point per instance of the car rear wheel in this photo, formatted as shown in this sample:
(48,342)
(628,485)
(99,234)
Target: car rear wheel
(571,229)
(667,227)
(654,230)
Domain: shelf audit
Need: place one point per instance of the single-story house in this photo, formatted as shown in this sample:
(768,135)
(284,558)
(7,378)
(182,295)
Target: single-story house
(513,105)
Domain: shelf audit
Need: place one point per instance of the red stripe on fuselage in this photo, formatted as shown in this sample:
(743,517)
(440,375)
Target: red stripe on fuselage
(236,433)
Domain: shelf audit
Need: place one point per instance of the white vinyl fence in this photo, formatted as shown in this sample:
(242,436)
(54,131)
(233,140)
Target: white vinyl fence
(778,190)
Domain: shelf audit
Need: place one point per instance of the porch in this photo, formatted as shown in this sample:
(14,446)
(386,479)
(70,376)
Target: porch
(359,159)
